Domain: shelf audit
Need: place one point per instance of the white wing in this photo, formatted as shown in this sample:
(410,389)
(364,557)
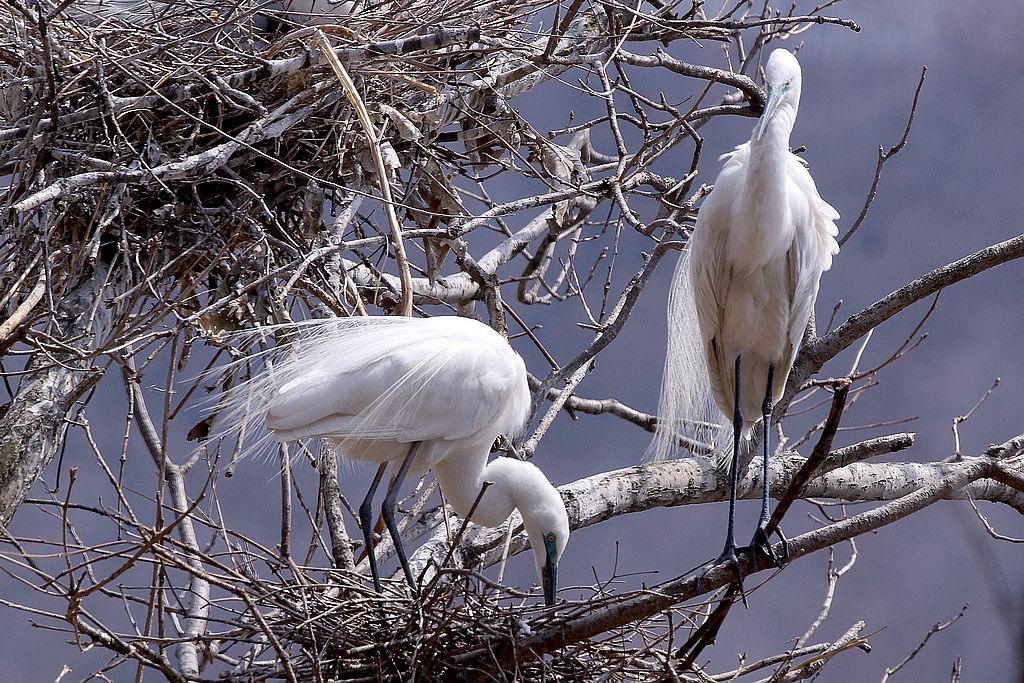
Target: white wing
(710,237)
(814,245)
(698,370)
(686,406)
(386,379)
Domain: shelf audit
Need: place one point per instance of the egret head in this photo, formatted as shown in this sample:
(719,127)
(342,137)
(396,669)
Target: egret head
(545,520)
(782,78)
(547,525)
(521,485)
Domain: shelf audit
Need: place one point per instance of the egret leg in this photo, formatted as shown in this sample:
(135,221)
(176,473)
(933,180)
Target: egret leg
(760,540)
(729,552)
(387,511)
(366,523)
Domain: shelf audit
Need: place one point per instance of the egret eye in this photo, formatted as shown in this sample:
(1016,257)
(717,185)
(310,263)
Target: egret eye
(551,537)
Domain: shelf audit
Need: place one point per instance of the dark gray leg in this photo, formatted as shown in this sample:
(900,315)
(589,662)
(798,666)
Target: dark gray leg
(760,541)
(366,522)
(729,552)
(387,511)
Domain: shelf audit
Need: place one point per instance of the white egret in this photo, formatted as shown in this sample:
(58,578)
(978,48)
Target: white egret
(412,394)
(762,239)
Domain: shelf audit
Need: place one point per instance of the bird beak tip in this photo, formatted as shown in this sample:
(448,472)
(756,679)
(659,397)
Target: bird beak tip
(550,582)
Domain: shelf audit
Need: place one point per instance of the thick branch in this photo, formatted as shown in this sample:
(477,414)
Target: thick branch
(649,602)
(330,493)
(634,489)
(813,356)
(695,480)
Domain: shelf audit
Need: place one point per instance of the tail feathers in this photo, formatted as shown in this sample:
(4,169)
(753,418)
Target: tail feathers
(687,416)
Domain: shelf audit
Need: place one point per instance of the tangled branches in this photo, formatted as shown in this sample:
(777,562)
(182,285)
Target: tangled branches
(174,172)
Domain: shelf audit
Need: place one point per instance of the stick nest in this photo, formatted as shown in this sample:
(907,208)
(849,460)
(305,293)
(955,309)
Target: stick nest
(464,627)
(204,139)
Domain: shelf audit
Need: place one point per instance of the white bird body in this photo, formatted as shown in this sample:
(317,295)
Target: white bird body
(747,283)
(377,387)
(452,383)
(762,240)
(743,293)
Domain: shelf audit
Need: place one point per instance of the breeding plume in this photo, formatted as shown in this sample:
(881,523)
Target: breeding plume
(412,394)
(744,291)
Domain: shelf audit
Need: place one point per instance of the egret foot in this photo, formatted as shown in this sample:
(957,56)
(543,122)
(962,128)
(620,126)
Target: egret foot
(785,543)
(729,555)
(760,544)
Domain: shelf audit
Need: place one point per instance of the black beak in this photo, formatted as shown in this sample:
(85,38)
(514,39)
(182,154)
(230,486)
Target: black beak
(549,574)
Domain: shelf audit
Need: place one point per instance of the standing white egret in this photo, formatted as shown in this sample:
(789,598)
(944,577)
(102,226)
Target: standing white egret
(762,239)
(412,394)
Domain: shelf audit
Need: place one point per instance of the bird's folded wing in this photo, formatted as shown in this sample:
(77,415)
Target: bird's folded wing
(404,384)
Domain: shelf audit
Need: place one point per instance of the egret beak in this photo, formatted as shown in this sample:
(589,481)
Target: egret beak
(770,107)
(549,570)
(549,577)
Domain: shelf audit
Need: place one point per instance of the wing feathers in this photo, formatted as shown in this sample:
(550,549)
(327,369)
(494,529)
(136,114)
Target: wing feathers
(387,379)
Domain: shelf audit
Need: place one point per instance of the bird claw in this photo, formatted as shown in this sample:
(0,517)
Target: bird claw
(785,544)
(760,544)
(729,555)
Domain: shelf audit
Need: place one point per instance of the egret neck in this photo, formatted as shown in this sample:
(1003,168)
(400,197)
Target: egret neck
(766,176)
(514,484)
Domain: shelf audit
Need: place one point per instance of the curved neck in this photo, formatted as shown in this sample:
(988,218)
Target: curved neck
(461,477)
(776,136)
(768,155)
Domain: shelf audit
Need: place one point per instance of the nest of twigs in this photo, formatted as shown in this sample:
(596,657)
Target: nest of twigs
(201,140)
(462,627)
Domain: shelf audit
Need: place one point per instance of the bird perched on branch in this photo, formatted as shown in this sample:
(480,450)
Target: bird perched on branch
(412,394)
(744,291)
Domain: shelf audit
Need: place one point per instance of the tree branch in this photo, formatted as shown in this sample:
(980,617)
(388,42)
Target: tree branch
(646,603)
(813,356)
(32,429)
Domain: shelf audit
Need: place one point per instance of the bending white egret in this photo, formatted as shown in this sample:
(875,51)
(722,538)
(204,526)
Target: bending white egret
(412,394)
(762,239)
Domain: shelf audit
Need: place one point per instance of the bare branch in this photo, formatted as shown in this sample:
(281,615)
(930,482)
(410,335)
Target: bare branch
(884,156)
(812,357)
(663,596)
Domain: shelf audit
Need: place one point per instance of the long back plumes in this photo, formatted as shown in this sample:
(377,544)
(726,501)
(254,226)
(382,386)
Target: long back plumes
(380,382)
(687,416)
(322,343)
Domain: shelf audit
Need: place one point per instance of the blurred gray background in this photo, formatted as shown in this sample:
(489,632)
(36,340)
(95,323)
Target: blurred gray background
(957,187)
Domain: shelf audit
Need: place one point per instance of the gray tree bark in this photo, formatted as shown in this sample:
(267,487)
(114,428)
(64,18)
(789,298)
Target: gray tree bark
(33,428)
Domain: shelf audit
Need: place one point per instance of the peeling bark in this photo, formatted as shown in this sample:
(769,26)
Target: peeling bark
(33,428)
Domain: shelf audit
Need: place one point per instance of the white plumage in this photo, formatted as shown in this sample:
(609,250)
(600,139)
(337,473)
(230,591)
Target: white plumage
(755,264)
(377,387)
(745,289)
